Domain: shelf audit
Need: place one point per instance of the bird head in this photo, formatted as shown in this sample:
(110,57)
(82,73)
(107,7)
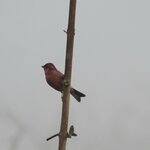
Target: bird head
(49,66)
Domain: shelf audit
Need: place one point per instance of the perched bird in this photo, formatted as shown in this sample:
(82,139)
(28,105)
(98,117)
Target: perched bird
(55,79)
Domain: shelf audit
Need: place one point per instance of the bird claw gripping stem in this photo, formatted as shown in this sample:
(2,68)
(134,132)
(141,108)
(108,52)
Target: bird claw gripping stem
(66,82)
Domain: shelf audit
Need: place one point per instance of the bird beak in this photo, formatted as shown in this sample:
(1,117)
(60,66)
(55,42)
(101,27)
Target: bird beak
(42,66)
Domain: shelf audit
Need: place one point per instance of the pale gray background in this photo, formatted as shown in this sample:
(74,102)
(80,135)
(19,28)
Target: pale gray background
(111,66)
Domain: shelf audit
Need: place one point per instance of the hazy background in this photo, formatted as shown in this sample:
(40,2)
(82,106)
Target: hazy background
(111,66)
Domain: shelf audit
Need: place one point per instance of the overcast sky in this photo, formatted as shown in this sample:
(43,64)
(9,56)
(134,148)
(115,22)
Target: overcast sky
(110,65)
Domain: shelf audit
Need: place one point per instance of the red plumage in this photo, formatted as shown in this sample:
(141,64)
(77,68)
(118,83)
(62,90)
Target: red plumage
(55,79)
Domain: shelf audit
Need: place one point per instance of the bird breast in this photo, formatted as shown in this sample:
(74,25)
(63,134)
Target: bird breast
(54,79)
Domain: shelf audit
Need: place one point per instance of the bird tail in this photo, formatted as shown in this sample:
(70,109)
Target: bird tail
(76,94)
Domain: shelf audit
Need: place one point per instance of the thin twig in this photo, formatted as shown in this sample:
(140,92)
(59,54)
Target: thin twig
(52,136)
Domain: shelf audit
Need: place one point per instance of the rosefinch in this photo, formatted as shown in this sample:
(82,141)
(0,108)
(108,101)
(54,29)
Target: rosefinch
(55,79)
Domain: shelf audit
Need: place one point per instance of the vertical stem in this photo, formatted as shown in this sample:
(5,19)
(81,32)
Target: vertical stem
(67,77)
